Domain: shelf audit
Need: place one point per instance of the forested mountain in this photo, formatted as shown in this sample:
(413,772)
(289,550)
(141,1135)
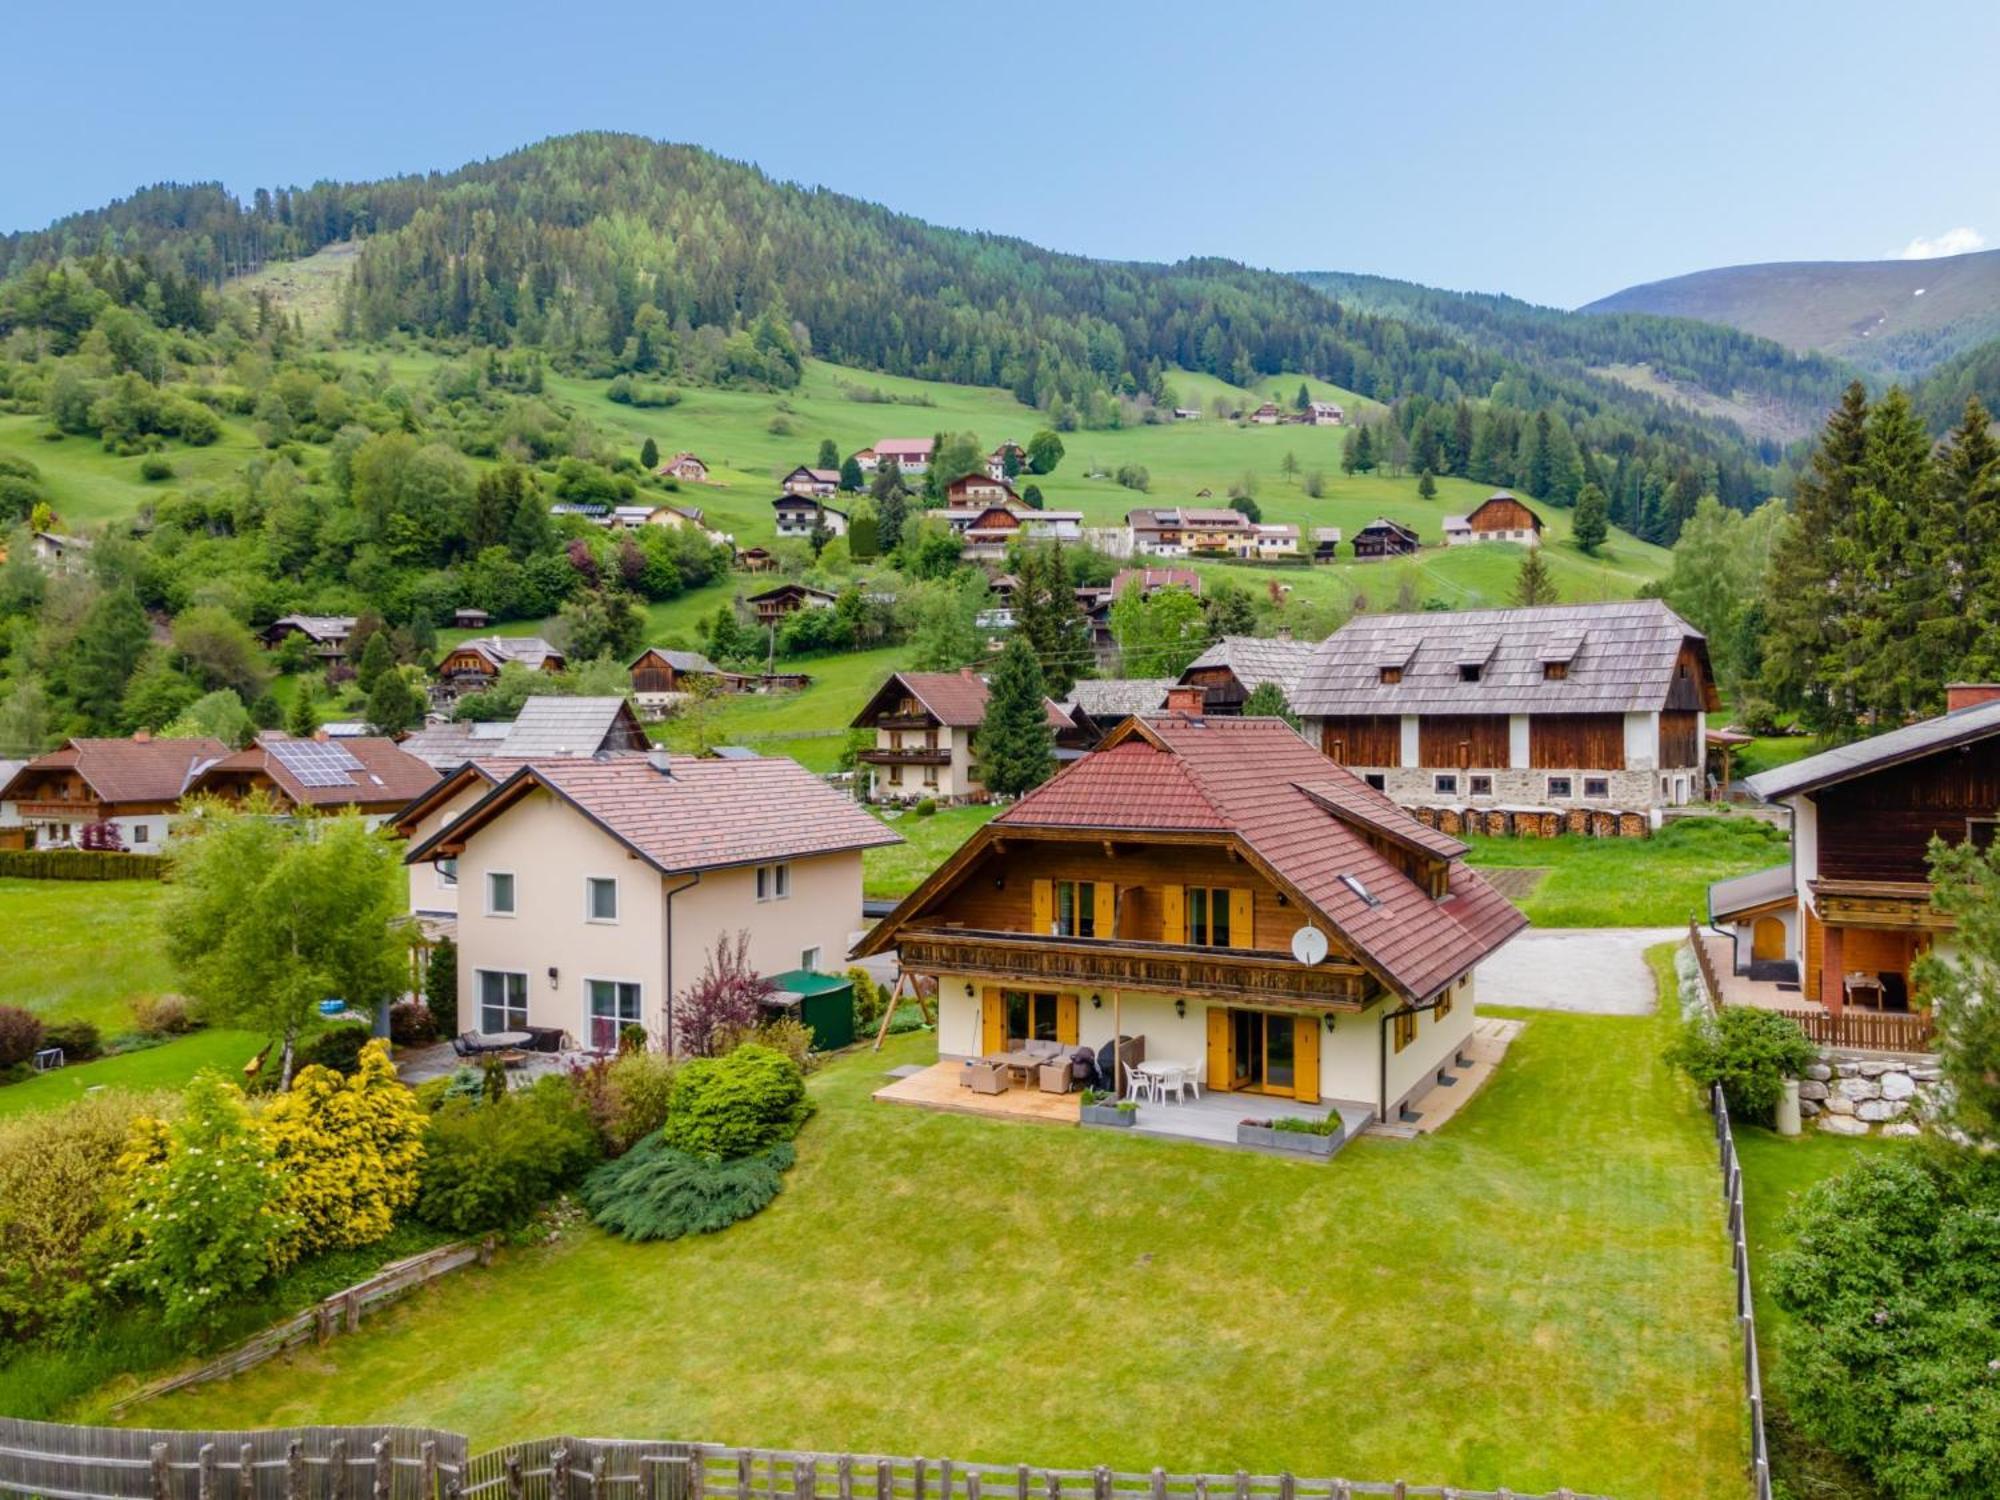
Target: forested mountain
(1895,319)
(1768,389)
(1941,395)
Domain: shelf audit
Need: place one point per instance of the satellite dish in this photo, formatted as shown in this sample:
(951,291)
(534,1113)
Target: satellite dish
(1309,945)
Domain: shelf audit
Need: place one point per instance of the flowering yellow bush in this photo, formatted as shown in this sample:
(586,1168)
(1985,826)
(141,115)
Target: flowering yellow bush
(347,1150)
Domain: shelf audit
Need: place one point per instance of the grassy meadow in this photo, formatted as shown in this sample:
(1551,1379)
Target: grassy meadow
(1654,882)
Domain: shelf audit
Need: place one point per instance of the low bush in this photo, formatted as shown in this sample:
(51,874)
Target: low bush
(20,1035)
(1294,1125)
(490,1163)
(162,1015)
(736,1105)
(78,1039)
(869,998)
(411,1024)
(338,1047)
(642,1091)
(155,468)
(80,864)
(657,1193)
(347,1150)
(926,807)
(1750,1052)
(792,1038)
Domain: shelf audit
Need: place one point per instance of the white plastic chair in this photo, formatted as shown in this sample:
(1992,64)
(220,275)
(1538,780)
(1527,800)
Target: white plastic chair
(1140,1085)
(1188,1080)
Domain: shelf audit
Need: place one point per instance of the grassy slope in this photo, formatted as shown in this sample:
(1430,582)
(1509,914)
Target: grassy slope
(86,485)
(927,843)
(1652,882)
(1542,1316)
(60,934)
(168,1065)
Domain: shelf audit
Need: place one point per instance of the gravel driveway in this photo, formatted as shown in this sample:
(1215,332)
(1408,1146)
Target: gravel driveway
(1597,969)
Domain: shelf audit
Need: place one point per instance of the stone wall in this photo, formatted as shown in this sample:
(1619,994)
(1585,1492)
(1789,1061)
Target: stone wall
(1845,1093)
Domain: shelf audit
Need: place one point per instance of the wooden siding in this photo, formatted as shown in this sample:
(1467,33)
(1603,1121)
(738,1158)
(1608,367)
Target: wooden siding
(1456,741)
(1680,739)
(1878,827)
(1225,694)
(1363,740)
(1502,513)
(1691,688)
(1576,742)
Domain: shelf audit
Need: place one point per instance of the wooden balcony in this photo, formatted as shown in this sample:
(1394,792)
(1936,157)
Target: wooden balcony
(918,721)
(918,757)
(1879,903)
(73,810)
(1251,975)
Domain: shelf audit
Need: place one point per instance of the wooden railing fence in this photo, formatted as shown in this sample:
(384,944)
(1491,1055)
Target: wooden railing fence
(1861,1030)
(1711,983)
(53,1462)
(1746,1314)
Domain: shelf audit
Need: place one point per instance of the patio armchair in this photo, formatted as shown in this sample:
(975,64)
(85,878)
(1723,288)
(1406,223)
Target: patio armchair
(1057,1076)
(983,1077)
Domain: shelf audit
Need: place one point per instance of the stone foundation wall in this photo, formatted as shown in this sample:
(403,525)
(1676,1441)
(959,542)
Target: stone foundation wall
(1845,1094)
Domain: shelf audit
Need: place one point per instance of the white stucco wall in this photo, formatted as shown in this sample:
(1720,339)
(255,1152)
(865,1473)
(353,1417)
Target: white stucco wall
(429,891)
(823,911)
(1642,741)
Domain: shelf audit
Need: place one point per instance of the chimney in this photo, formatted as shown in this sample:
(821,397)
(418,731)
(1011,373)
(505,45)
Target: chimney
(966,673)
(1186,698)
(142,736)
(661,761)
(1959,695)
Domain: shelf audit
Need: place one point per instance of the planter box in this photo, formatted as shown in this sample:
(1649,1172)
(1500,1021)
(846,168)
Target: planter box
(1106,1114)
(1292,1142)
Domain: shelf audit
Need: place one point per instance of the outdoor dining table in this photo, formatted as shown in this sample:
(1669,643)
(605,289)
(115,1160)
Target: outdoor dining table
(1022,1064)
(498,1041)
(1161,1073)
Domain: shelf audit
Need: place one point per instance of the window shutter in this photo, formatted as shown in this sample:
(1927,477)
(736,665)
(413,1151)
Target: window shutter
(1107,909)
(1241,930)
(1044,915)
(1066,1020)
(1173,914)
(1305,1059)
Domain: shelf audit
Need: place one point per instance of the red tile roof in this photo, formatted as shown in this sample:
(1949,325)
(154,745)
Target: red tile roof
(134,770)
(1249,777)
(704,815)
(386,775)
(1157,578)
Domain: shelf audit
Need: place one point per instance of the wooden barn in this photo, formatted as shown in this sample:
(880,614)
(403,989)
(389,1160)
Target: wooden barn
(1383,537)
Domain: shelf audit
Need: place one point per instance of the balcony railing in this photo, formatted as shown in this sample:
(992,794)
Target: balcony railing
(1878,903)
(878,757)
(1249,974)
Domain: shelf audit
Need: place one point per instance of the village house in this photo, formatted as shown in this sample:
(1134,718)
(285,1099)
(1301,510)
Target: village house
(925,726)
(1326,544)
(910,455)
(1498,518)
(773,605)
(1580,716)
(685,467)
(1234,667)
(975,492)
(1382,538)
(1152,580)
(1219,894)
(1267,415)
(594,889)
(1098,705)
(473,665)
(1851,913)
(1266,540)
(133,785)
(57,553)
(326,635)
(820,484)
(372,775)
(1323,414)
(1155,533)
(662,678)
(1215,530)
(997,461)
(1187,413)
(801,515)
(989,533)
(470,617)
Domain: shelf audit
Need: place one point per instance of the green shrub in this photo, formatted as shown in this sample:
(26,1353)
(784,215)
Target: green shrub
(793,1038)
(411,1024)
(78,1039)
(1750,1052)
(926,807)
(1892,1280)
(736,1105)
(1294,1125)
(20,1035)
(162,1015)
(338,1047)
(80,864)
(490,1164)
(441,987)
(155,469)
(657,1193)
(641,1088)
(869,998)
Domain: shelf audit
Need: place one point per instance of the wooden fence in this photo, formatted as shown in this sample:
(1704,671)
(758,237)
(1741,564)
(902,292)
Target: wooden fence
(53,1462)
(1859,1030)
(318,1323)
(1746,1314)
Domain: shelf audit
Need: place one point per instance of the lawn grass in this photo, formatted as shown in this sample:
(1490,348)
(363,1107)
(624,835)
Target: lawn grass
(897,870)
(169,1065)
(1654,882)
(79,950)
(1536,1296)
(86,485)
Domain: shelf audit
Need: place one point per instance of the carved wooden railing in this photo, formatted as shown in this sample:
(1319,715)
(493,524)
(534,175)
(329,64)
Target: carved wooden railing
(1237,974)
(914,757)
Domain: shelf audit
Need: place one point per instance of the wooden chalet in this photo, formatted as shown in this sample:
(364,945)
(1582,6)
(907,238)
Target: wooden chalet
(1009,451)
(976,492)
(925,727)
(1218,895)
(469,617)
(1863,816)
(372,775)
(773,605)
(326,635)
(470,665)
(134,785)
(1575,717)
(1234,667)
(802,515)
(1498,518)
(661,676)
(685,467)
(910,455)
(1325,544)
(1267,415)
(1383,537)
(820,484)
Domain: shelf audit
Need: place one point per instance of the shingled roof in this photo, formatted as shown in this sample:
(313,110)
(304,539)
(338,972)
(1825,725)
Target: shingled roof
(361,770)
(1621,658)
(1255,660)
(1118,697)
(1961,726)
(1308,821)
(529,650)
(134,770)
(684,813)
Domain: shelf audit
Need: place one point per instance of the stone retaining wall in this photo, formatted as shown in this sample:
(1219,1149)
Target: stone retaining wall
(1846,1094)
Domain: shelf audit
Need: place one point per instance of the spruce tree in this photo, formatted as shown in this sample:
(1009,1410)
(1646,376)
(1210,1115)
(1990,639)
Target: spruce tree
(1533,585)
(1016,744)
(1964,513)
(394,706)
(1427,487)
(529,529)
(377,657)
(649,455)
(829,454)
(302,723)
(1592,524)
(850,474)
(1304,398)
(1047,617)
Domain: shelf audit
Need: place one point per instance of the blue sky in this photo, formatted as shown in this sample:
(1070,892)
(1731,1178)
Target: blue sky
(1558,151)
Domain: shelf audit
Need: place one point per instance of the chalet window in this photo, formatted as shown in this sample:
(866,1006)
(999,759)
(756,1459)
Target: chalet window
(1207,916)
(1979,832)
(774,882)
(1076,908)
(140,833)
(614,1005)
(1597,786)
(1445,784)
(895,776)
(1377,780)
(1391,676)
(600,898)
(503,1001)
(1554,671)
(1559,786)
(1482,786)
(1406,1028)
(499,894)
(1031,1017)
(1444,1000)
(1469,672)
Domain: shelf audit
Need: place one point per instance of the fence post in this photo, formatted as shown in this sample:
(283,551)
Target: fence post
(158,1454)
(944,1479)
(295,1470)
(336,1463)
(427,1485)
(246,1472)
(971,1484)
(515,1485)
(743,1462)
(1054,1484)
(205,1472)
(1242,1485)
(885,1480)
(1159,1483)
(918,1471)
(597,1474)
(1100,1482)
(385,1472)
(1288,1487)
(805,1478)
(558,1474)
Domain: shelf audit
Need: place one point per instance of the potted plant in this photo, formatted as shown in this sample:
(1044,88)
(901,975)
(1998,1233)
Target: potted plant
(1320,1138)
(1096,1107)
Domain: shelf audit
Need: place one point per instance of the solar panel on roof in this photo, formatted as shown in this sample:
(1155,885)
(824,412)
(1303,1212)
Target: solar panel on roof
(316,762)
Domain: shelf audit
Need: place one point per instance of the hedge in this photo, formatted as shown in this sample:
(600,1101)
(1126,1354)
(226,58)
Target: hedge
(80,864)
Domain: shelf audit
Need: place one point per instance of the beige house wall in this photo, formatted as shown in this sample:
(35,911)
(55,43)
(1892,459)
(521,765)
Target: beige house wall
(430,892)
(955,780)
(823,911)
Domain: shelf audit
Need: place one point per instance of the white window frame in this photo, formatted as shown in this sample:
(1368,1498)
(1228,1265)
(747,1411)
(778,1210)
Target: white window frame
(1568,791)
(809,959)
(590,884)
(479,977)
(1438,786)
(1604,785)
(774,881)
(1472,785)
(513,894)
(446,871)
(619,1022)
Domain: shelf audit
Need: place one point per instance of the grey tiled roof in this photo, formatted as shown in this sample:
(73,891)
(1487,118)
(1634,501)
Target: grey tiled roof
(1624,663)
(1118,697)
(1256,660)
(1977,722)
(1743,892)
(562,727)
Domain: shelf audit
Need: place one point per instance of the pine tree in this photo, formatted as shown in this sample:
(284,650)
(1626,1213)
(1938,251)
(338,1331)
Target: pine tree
(1965,483)
(850,474)
(1289,467)
(1592,523)
(377,657)
(1303,399)
(1533,585)
(1047,617)
(1427,487)
(649,455)
(1016,745)
(394,706)
(302,723)
(1538,461)
(829,454)
(529,529)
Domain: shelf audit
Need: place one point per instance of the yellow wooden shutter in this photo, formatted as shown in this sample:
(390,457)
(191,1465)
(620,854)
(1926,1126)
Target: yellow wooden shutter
(1173,914)
(1242,925)
(992,1024)
(1107,909)
(1066,1020)
(1045,907)
(1305,1059)
(1221,1048)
